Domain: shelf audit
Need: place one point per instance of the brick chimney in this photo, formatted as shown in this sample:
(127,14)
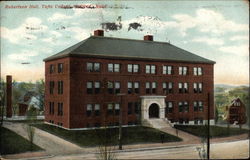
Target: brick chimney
(9,96)
(148,38)
(98,32)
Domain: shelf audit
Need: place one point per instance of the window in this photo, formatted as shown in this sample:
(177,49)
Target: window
(169,108)
(89,110)
(117,109)
(185,106)
(60,67)
(51,108)
(89,87)
(51,68)
(130,105)
(180,107)
(136,87)
(60,109)
(97,87)
(130,87)
(117,87)
(97,109)
(183,87)
(153,87)
(198,87)
(147,87)
(51,87)
(133,68)
(110,109)
(93,67)
(195,106)
(137,107)
(200,106)
(60,87)
(167,70)
(110,87)
(197,71)
(150,69)
(183,70)
(110,67)
(97,67)
(133,87)
(113,67)
(167,87)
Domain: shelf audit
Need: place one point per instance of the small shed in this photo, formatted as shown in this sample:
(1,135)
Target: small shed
(28,100)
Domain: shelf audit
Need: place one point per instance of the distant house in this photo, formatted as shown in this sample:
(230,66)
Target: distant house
(27,101)
(236,112)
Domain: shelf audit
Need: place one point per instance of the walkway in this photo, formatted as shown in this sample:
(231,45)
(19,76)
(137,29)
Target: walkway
(53,145)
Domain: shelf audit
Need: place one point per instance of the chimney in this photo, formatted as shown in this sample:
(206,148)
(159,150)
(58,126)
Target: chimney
(9,96)
(98,33)
(148,38)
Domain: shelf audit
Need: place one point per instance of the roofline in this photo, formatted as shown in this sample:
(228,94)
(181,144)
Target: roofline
(122,58)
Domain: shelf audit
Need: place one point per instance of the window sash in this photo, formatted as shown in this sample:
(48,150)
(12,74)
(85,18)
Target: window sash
(169,69)
(147,68)
(89,107)
(153,84)
(180,70)
(89,85)
(97,84)
(97,66)
(110,67)
(136,68)
(164,70)
(110,85)
(136,84)
(89,66)
(130,85)
(153,68)
(110,106)
(170,85)
(130,68)
(97,107)
(117,106)
(117,67)
(184,70)
(199,71)
(164,85)
(117,85)
(147,85)
(195,71)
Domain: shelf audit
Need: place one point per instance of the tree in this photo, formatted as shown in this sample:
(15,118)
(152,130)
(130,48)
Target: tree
(31,118)
(40,89)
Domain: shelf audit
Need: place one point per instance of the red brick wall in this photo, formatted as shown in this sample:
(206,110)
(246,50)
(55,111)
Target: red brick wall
(76,96)
(55,97)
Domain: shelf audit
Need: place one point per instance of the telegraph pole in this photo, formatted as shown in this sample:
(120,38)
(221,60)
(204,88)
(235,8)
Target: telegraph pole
(208,126)
(120,121)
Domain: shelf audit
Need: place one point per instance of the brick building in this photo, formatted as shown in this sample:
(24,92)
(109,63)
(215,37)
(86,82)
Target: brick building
(94,81)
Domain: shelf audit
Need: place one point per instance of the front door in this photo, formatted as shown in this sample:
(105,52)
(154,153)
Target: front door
(154,111)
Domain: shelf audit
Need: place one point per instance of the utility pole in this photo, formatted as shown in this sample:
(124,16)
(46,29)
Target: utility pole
(208,126)
(120,121)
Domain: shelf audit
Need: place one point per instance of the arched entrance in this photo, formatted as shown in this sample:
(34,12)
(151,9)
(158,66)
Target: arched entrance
(154,111)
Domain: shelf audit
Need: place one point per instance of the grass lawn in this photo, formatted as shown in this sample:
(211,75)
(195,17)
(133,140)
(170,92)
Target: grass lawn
(215,131)
(130,135)
(12,143)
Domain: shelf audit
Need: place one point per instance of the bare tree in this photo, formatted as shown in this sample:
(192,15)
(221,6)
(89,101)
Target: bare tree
(31,118)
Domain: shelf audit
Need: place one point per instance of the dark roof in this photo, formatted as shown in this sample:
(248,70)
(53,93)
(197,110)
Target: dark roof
(128,48)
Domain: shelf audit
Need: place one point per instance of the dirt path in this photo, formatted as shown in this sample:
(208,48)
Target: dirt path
(52,144)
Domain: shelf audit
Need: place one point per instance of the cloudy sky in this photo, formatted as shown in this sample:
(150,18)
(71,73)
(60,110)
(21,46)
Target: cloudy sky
(216,30)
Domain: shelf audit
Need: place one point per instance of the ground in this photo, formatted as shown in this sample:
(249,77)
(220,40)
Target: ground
(57,148)
(13,143)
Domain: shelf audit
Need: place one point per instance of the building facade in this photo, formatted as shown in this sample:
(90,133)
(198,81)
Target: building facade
(102,80)
(236,112)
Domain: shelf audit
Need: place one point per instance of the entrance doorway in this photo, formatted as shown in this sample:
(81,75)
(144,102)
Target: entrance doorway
(154,111)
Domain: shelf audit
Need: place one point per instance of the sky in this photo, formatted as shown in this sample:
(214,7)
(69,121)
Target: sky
(216,30)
